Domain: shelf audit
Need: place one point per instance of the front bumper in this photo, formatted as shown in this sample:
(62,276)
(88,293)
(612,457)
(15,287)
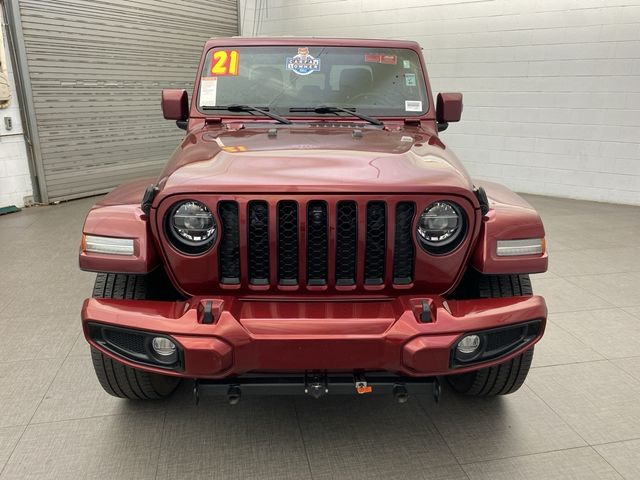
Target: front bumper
(271,336)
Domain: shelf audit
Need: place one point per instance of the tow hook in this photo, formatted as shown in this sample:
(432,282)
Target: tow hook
(315,384)
(234,394)
(400,393)
(196,392)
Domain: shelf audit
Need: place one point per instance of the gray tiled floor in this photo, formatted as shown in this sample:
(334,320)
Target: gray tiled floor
(578,415)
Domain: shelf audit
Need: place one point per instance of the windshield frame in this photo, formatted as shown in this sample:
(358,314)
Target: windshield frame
(238,42)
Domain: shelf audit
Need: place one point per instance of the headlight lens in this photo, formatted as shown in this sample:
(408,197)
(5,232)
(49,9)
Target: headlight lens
(441,225)
(193,225)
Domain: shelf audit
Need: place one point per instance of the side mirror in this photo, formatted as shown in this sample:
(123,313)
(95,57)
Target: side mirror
(175,106)
(448,109)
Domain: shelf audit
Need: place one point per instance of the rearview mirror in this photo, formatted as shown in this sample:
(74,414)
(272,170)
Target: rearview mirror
(175,106)
(448,109)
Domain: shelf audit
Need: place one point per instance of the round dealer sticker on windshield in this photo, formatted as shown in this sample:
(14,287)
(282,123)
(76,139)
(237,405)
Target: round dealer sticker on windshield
(303,63)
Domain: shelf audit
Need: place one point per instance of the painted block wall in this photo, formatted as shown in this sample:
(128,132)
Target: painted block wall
(15,180)
(551,87)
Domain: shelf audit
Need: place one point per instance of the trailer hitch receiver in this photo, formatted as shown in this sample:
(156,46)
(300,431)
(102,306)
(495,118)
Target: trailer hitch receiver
(315,384)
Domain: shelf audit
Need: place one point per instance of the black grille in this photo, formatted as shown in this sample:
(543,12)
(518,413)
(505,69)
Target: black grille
(333,237)
(229,249)
(403,249)
(317,243)
(130,342)
(258,242)
(346,242)
(374,254)
(288,242)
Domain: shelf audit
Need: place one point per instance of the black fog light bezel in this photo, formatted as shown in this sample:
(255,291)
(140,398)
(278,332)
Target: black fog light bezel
(530,331)
(99,333)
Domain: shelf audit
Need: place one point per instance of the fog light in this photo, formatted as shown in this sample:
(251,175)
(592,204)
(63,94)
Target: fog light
(163,346)
(469,344)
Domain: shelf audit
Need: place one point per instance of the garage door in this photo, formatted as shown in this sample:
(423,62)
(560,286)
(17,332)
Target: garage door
(96,70)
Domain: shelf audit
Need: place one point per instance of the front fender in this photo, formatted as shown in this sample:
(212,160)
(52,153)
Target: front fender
(119,215)
(510,217)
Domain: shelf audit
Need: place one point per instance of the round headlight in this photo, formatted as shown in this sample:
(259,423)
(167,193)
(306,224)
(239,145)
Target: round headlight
(441,225)
(192,224)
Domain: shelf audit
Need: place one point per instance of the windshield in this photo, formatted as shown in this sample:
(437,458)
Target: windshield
(373,81)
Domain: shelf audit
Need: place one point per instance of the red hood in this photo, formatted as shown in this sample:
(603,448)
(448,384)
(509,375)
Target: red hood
(322,159)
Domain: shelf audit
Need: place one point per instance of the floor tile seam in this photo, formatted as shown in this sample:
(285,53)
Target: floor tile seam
(162,434)
(559,416)
(511,457)
(304,443)
(443,438)
(13,450)
(561,327)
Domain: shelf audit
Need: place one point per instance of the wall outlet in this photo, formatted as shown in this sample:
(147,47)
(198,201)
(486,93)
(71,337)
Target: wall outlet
(8,123)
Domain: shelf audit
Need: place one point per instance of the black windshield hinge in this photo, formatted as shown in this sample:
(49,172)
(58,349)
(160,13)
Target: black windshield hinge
(147,199)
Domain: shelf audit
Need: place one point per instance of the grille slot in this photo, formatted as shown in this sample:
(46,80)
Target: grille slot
(288,242)
(403,248)
(317,243)
(229,249)
(374,254)
(346,242)
(258,242)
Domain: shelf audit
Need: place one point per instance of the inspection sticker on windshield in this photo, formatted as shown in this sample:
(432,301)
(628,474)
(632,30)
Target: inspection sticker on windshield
(412,106)
(410,79)
(208,91)
(303,63)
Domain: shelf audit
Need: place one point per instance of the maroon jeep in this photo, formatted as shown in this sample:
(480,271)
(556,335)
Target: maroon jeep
(312,234)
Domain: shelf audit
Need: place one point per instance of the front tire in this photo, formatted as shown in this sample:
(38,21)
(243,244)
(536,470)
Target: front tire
(123,381)
(116,378)
(509,376)
(497,380)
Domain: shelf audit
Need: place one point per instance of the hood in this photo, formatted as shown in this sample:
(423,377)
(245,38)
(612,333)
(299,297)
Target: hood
(307,158)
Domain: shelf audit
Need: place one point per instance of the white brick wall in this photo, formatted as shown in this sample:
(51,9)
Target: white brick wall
(15,181)
(551,87)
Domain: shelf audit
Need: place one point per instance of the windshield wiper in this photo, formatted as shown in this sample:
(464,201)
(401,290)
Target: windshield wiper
(250,108)
(333,109)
